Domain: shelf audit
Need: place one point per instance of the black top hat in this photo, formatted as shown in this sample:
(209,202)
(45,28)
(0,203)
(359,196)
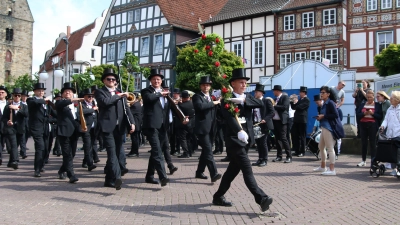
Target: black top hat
(185,94)
(164,85)
(39,86)
(238,73)
(109,72)
(317,97)
(69,86)
(303,89)
(205,80)
(87,91)
(94,87)
(17,91)
(57,95)
(260,87)
(277,88)
(155,72)
(25,92)
(176,90)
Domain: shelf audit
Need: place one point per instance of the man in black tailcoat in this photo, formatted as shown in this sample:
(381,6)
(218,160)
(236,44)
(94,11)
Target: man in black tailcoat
(56,147)
(114,120)
(299,128)
(263,116)
(185,128)
(3,103)
(240,137)
(205,120)
(137,113)
(22,144)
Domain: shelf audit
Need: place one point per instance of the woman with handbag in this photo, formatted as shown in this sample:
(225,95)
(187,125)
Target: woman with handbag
(391,123)
(331,129)
(370,114)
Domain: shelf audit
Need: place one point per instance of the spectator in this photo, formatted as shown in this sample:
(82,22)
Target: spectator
(339,92)
(383,98)
(359,96)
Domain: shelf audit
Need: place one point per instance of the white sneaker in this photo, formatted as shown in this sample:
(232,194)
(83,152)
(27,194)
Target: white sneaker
(393,173)
(363,163)
(329,173)
(319,169)
(398,173)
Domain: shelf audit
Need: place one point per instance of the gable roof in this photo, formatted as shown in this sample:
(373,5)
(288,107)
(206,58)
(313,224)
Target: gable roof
(236,9)
(298,4)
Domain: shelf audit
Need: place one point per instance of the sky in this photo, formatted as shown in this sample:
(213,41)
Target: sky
(52,18)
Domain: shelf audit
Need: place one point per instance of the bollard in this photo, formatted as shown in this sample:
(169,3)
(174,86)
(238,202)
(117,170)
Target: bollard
(348,118)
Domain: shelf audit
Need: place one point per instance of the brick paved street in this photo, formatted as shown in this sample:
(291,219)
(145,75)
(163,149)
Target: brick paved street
(300,196)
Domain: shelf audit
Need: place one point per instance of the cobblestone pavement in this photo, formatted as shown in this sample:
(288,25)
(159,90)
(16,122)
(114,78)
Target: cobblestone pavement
(300,196)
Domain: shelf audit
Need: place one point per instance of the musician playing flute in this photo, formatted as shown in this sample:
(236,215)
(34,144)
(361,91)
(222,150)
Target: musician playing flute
(114,120)
(13,120)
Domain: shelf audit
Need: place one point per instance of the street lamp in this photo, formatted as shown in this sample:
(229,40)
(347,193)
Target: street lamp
(44,75)
(92,77)
(65,39)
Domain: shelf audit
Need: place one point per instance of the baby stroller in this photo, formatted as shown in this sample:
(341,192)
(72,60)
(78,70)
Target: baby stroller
(312,145)
(386,151)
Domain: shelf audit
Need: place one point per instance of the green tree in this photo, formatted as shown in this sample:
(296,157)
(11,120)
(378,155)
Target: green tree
(98,72)
(388,61)
(25,82)
(207,57)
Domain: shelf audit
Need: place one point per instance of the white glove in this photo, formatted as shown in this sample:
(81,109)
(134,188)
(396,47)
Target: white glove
(242,135)
(237,100)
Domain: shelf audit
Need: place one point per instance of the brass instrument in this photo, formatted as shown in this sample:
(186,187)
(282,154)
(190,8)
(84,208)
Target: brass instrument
(81,115)
(131,99)
(176,108)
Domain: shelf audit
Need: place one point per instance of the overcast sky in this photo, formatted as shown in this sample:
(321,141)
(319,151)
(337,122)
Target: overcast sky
(52,18)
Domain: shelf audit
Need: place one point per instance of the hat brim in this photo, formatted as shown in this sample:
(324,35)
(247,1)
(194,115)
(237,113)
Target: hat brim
(205,82)
(17,93)
(39,88)
(260,90)
(151,76)
(109,74)
(72,89)
(239,78)
(276,89)
(384,94)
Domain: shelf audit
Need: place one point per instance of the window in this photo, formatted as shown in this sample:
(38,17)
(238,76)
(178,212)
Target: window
(332,55)
(285,59)
(384,39)
(111,52)
(121,49)
(386,4)
(7,77)
(9,34)
(315,55)
(398,3)
(372,5)
(8,56)
(130,16)
(76,71)
(144,50)
(138,81)
(258,52)
(137,15)
(299,56)
(237,48)
(158,44)
(93,53)
(329,16)
(288,22)
(345,56)
(308,20)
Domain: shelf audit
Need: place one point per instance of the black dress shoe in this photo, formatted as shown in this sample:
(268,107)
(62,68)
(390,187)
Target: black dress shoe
(59,154)
(172,170)
(288,160)
(46,161)
(263,163)
(132,155)
(61,175)
(221,202)
(184,155)
(201,176)
(256,163)
(73,179)
(124,171)
(37,174)
(13,165)
(24,156)
(164,182)
(92,167)
(152,181)
(96,161)
(175,154)
(84,165)
(265,202)
(216,177)
(118,183)
(54,153)
(109,184)
(278,159)
(1,162)
(42,170)
(217,152)
(226,159)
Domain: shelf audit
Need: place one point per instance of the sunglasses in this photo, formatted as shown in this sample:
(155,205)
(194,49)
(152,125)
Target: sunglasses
(17,96)
(110,79)
(90,96)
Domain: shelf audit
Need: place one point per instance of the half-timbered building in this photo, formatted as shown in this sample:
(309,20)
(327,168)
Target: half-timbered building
(150,29)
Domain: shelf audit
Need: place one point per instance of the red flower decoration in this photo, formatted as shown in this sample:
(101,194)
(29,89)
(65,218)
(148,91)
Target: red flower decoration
(217,64)
(236,110)
(227,106)
(75,104)
(216,40)
(224,90)
(210,53)
(203,36)
(213,98)
(117,92)
(208,47)
(224,76)
(196,51)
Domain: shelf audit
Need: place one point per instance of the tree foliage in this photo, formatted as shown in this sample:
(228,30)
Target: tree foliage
(388,61)
(98,72)
(25,82)
(207,57)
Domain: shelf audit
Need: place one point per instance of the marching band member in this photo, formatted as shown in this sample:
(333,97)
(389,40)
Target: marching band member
(114,122)
(185,129)
(22,144)
(204,122)
(39,127)
(3,103)
(56,148)
(241,137)
(299,128)
(13,120)
(174,142)
(136,110)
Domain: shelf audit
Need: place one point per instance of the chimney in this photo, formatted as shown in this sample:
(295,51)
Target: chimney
(68,31)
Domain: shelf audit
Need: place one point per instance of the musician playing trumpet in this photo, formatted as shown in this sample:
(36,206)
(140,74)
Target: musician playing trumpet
(14,115)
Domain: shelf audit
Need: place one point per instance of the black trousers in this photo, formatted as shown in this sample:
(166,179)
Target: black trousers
(299,137)
(56,147)
(94,148)
(368,136)
(166,151)
(135,138)
(41,146)
(239,161)
(115,154)
(156,138)
(281,139)
(1,144)
(12,142)
(87,148)
(173,142)
(262,147)
(289,126)
(21,142)
(66,144)
(206,157)
(219,138)
(184,136)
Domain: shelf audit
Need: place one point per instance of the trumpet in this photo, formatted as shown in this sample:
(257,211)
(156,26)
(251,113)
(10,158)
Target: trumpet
(131,99)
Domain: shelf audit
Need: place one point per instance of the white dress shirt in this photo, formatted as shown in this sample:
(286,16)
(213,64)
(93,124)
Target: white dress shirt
(2,105)
(276,115)
(17,104)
